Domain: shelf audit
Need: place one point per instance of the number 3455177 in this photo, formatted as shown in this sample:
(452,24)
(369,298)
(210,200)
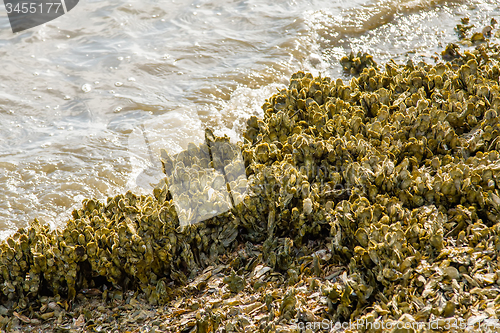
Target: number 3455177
(30,7)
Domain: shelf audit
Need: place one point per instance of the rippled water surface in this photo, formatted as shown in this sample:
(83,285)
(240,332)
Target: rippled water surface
(87,100)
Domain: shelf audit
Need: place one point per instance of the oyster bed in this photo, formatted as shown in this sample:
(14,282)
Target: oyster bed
(374,199)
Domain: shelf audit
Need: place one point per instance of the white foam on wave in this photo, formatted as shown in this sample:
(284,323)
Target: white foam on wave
(230,118)
(171,131)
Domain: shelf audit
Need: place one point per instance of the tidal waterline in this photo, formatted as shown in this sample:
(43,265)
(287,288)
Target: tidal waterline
(76,93)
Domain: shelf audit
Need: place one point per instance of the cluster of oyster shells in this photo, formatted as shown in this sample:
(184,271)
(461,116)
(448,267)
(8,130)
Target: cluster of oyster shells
(355,63)
(464,28)
(396,173)
(401,166)
(128,242)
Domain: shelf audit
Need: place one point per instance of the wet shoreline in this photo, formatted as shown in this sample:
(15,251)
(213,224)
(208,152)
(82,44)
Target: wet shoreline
(416,236)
